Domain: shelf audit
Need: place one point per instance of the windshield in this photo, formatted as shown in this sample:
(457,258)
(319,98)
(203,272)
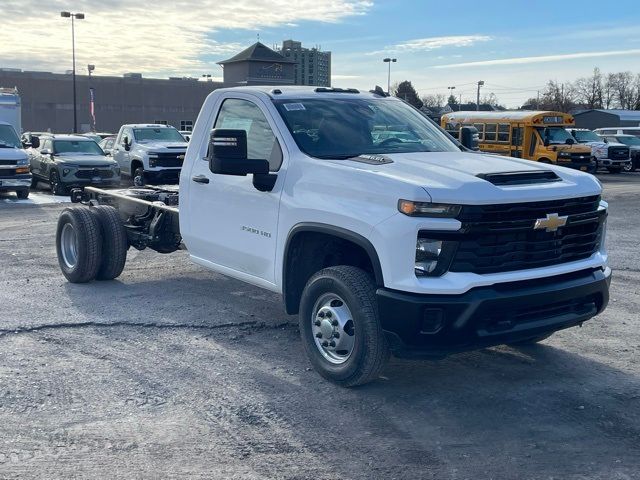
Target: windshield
(9,137)
(87,147)
(584,136)
(631,141)
(348,127)
(157,134)
(555,135)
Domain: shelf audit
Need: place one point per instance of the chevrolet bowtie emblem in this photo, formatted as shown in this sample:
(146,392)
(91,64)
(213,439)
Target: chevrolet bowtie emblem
(551,223)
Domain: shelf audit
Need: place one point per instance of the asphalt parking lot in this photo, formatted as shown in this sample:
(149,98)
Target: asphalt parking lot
(173,371)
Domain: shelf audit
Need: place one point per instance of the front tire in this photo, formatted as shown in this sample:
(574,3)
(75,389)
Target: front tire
(138,177)
(114,242)
(22,194)
(628,167)
(57,187)
(79,244)
(340,328)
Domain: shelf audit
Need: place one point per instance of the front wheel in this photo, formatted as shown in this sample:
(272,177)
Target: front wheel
(628,167)
(138,177)
(340,328)
(23,194)
(57,187)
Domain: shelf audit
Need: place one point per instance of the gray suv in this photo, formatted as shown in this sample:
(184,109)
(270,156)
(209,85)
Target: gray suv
(66,161)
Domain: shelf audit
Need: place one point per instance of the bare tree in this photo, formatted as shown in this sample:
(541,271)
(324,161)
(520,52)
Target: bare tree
(589,90)
(623,89)
(434,101)
(557,96)
(608,91)
(490,99)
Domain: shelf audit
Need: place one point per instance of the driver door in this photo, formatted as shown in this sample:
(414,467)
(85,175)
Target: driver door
(119,153)
(232,226)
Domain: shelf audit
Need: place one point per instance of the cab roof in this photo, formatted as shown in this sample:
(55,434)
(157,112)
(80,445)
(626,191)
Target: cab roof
(285,91)
(73,138)
(147,125)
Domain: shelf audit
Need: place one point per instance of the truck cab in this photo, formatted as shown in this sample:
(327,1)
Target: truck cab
(14,163)
(149,153)
(614,156)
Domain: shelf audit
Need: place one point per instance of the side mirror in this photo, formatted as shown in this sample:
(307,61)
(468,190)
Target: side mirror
(605,140)
(35,142)
(570,141)
(469,137)
(228,154)
(126,143)
(45,151)
(546,142)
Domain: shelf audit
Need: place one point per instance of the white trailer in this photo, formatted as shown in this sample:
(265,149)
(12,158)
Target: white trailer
(10,108)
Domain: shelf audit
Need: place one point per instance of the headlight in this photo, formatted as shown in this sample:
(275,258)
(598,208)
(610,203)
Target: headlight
(152,160)
(564,154)
(428,209)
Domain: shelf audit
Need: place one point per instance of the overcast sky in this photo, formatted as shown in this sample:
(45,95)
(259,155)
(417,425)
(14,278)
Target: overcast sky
(514,46)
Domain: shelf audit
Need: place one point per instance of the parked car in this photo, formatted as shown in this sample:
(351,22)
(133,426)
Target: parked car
(66,161)
(415,247)
(14,163)
(613,156)
(635,131)
(106,144)
(27,137)
(633,143)
(150,153)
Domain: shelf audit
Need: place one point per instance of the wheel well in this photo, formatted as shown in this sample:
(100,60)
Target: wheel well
(309,251)
(545,160)
(135,164)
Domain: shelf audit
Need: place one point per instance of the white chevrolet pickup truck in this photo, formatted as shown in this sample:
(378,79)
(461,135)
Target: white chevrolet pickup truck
(381,232)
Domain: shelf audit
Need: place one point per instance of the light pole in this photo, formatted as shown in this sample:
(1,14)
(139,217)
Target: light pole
(92,106)
(73,16)
(389,61)
(480,84)
(451,89)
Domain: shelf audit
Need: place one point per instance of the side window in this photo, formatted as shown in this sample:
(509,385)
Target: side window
(490,130)
(532,147)
(127,132)
(503,132)
(480,128)
(261,142)
(46,145)
(516,136)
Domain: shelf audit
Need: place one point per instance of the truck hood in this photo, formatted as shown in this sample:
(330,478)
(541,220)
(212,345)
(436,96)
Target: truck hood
(163,146)
(604,144)
(452,177)
(85,160)
(12,154)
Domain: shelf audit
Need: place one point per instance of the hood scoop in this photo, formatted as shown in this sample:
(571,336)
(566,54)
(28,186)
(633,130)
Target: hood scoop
(520,178)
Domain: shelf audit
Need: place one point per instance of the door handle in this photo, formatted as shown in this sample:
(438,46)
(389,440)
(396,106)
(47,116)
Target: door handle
(200,179)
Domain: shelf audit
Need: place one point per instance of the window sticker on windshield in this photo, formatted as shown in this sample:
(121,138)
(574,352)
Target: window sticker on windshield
(290,107)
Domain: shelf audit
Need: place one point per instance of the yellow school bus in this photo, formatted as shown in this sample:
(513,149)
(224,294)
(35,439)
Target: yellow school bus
(533,135)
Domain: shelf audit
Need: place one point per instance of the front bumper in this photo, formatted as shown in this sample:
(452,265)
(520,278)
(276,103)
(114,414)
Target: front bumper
(606,162)
(437,325)
(15,182)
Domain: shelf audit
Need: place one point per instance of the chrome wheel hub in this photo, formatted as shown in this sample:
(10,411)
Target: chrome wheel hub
(333,329)
(69,245)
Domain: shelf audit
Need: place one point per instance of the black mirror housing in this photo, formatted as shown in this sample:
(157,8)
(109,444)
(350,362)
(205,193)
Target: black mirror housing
(469,137)
(228,154)
(35,142)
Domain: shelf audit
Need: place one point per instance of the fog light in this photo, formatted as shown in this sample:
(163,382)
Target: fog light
(432,321)
(427,253)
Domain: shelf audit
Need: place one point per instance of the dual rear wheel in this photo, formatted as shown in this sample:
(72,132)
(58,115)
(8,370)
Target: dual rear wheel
(91,243)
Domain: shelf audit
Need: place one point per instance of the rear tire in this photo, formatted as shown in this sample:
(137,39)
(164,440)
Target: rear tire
(362,356)
(23,194)
(531,341)
(114,242)
(78,244)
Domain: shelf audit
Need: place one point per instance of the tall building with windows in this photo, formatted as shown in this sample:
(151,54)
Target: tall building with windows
(312,66)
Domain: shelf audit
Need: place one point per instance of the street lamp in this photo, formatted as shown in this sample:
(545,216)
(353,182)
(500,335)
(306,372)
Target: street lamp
(451,89)
(389,61)
(480,84)
(73,16)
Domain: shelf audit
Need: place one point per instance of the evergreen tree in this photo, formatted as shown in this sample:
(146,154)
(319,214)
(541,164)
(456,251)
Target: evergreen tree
(406,91)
